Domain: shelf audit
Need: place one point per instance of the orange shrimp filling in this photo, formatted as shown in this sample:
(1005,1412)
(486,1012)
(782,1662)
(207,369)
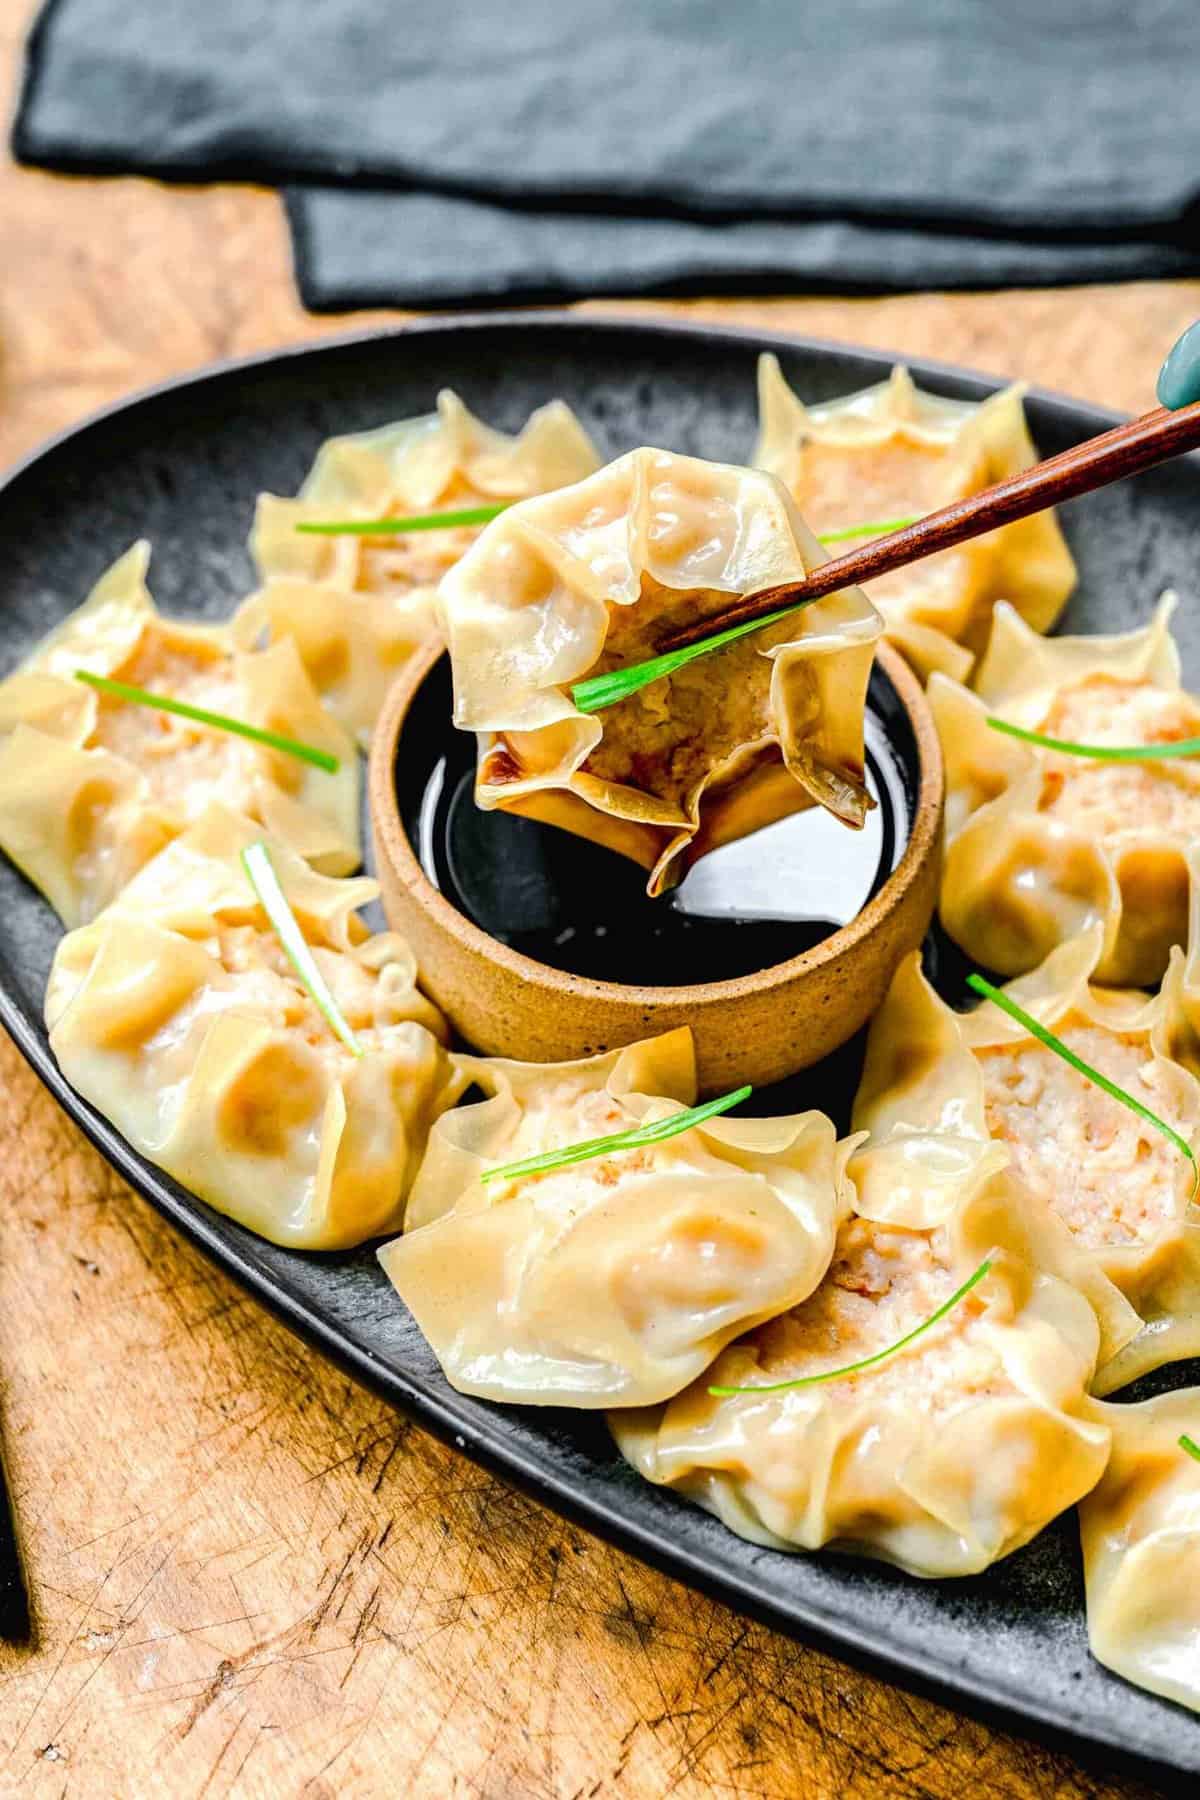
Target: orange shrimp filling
(1111,1176)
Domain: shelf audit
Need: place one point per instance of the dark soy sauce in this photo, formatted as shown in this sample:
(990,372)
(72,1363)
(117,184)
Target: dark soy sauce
(584,909)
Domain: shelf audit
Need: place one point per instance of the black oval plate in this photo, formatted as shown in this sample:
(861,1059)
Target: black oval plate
(182,466)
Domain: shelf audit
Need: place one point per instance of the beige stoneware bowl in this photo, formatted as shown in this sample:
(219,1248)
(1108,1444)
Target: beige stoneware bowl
(757,1028)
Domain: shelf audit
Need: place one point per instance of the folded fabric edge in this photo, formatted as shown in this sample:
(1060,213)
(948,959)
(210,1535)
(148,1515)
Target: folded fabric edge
(95,142)
(378,247)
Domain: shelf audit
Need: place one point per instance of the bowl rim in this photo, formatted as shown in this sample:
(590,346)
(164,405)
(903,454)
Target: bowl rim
(393,845)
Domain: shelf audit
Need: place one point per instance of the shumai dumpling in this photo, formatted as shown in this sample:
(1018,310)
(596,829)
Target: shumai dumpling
(178,1015)
(612,1281)
(895,451)
(591,579)
(942,1458)
(92,786)
(1042,844)
(356,607)
(1120,1187)
(1140,1530)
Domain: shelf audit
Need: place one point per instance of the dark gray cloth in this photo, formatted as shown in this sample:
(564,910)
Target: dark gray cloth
(621,145)
(372,247)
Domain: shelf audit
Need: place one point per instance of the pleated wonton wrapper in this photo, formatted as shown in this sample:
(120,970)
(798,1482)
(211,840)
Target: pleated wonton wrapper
(616,1280)
(943,1458)
(591,579)
(1140,1530)
(178,1015)
(895,451)
(92,786)
(939,1085)
(358,607)
(1039,844)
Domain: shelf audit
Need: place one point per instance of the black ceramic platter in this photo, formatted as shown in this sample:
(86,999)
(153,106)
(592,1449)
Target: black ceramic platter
(182,466)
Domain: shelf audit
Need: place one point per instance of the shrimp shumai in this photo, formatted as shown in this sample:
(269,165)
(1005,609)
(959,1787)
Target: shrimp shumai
(592,579)
(897,451)
(1140,1532)
(611,1281)
(178,1014)
(1115,1182)
(1040,843)
(941,1458)
(357,607)
(93,785)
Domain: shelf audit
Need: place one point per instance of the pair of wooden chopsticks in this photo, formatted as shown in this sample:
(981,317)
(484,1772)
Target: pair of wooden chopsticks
(1127,450)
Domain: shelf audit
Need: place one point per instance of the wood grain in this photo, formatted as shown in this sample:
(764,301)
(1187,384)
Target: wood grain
(250,1577)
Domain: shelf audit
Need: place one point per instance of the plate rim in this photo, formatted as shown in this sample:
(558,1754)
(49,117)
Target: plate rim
(535,318)
(486,1442)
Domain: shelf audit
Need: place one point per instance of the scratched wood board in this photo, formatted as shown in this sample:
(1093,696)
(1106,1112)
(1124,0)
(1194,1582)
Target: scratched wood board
(250,1577)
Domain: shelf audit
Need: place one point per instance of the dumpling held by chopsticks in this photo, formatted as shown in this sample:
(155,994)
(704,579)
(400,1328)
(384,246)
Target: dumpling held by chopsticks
(593,578)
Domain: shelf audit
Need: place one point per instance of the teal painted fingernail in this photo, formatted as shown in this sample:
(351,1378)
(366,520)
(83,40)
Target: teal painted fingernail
(1179,377)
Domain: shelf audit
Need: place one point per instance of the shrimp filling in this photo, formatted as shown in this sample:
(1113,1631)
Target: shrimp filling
(666,739)
(904,477)
(1111,801)
(1111,1176)
(186,765)
(883,1283)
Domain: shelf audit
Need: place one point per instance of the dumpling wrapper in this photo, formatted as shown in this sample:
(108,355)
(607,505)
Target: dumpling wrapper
(616,1280)
(91,787)
(1041,845)
(895,451)
(178,1016)
(938,1085)
(941,1459)
(356,608)
(1140,1531)
(591,579)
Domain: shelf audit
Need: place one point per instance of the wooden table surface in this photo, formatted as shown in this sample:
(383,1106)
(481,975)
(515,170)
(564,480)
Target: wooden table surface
(251,1577)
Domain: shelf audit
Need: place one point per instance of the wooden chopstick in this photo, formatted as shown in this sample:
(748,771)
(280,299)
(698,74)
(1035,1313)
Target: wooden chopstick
(16,1624)
(1126,450)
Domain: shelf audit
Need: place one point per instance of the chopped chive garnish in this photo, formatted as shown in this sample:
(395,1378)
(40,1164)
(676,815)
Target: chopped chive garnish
(256,860)
(1100,752)
(634,1139)
(121,690)
(1044,1036)
(868,1362)
(1190,1445)
(873,528)
(600,691)
(483,515)
(436,521)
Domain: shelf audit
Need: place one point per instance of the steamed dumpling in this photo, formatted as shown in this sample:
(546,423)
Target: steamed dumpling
(91,787)
(1121,1189)
(616,1280)
(1140,1530)
(357,608)
(1041,845)
(590,579)
(895,451)
(177,1014)
(942,1458)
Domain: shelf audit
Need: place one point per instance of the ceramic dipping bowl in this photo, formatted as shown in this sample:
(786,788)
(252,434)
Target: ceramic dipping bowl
(541,946)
